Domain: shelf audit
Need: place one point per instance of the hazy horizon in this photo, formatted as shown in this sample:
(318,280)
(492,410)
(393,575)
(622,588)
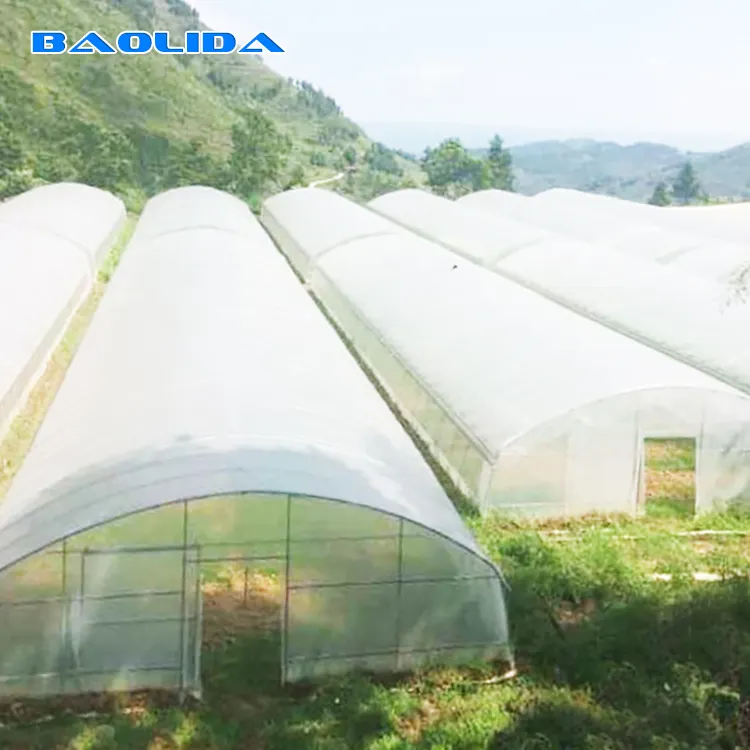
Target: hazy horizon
(414,137)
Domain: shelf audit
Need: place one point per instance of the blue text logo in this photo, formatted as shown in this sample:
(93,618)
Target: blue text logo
(143,42)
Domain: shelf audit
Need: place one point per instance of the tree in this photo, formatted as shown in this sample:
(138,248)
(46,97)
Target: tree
(500,165)
(296,179)
(103,157)
(259,153)
(191,164)
(686,187)
(452,171)
(660,196)
(382,159)
(12,155)
(17,182)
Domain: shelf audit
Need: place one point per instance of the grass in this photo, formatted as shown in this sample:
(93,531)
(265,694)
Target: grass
(670,478)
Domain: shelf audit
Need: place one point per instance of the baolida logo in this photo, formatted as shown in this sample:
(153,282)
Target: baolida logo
(143,42)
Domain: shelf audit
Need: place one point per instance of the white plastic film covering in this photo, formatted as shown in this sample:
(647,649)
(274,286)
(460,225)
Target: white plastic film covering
(532,211)
(50,238)
(688,318)
(219,348)
(415,210)
(226,380)
(633,228)
(448,320)
(730,222)
(293,220)
(696,245)
(206,209)
(609,439)
(85,216)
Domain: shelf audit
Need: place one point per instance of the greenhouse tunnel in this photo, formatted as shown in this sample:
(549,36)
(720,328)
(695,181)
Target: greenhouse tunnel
(635,229)
(531,407)
(301,208)
(52,239)
(730,222)
(213,428)
(683,316)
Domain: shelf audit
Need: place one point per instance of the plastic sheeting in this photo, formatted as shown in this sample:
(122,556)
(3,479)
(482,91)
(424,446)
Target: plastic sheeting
(292,219)
(50,241)
(683,316)
(729,222)
(463,233)
(529,406)
(633,228)
(226,380)
(549,404)
(85,216)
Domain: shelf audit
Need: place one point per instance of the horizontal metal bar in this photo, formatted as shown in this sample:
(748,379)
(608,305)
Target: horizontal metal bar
(248,543)
(396,652)
(33,602)
(71,675)
(390,582)
(136,621)
(93,597)
(127,595)
(292,587)
(129,550)
(273,558)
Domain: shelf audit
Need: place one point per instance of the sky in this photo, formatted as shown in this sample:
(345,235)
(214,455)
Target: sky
(671,71)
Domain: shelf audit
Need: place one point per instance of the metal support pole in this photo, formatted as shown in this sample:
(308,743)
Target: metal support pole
(198,618)
(285,632)
(399,590)
(64,634)
(183,599)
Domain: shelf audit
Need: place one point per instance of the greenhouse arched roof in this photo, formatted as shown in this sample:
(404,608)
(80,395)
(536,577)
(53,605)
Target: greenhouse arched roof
(49,240)
(297,212)
(683,316)
(413,209)
(84,216)
(730,222)
(221,376)
(502,358)
(696,244)
(209,208)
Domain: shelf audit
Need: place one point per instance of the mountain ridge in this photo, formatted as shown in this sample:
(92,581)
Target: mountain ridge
(631,171)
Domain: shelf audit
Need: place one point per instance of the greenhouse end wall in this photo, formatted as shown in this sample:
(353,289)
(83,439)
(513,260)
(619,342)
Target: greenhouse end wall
(123,606)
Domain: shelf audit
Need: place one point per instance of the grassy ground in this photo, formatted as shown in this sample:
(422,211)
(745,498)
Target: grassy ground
(670,478)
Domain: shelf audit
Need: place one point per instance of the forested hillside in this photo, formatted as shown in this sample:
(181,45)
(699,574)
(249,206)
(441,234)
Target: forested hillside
(140,124)
(631,172)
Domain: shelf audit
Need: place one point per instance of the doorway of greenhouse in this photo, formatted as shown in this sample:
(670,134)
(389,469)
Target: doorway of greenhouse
(242,604)
(668,477)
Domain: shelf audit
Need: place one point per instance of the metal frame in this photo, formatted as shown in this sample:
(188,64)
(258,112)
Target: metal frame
(187,675)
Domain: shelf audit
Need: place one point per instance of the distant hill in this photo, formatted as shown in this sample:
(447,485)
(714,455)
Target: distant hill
(138,125)
(626,171)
